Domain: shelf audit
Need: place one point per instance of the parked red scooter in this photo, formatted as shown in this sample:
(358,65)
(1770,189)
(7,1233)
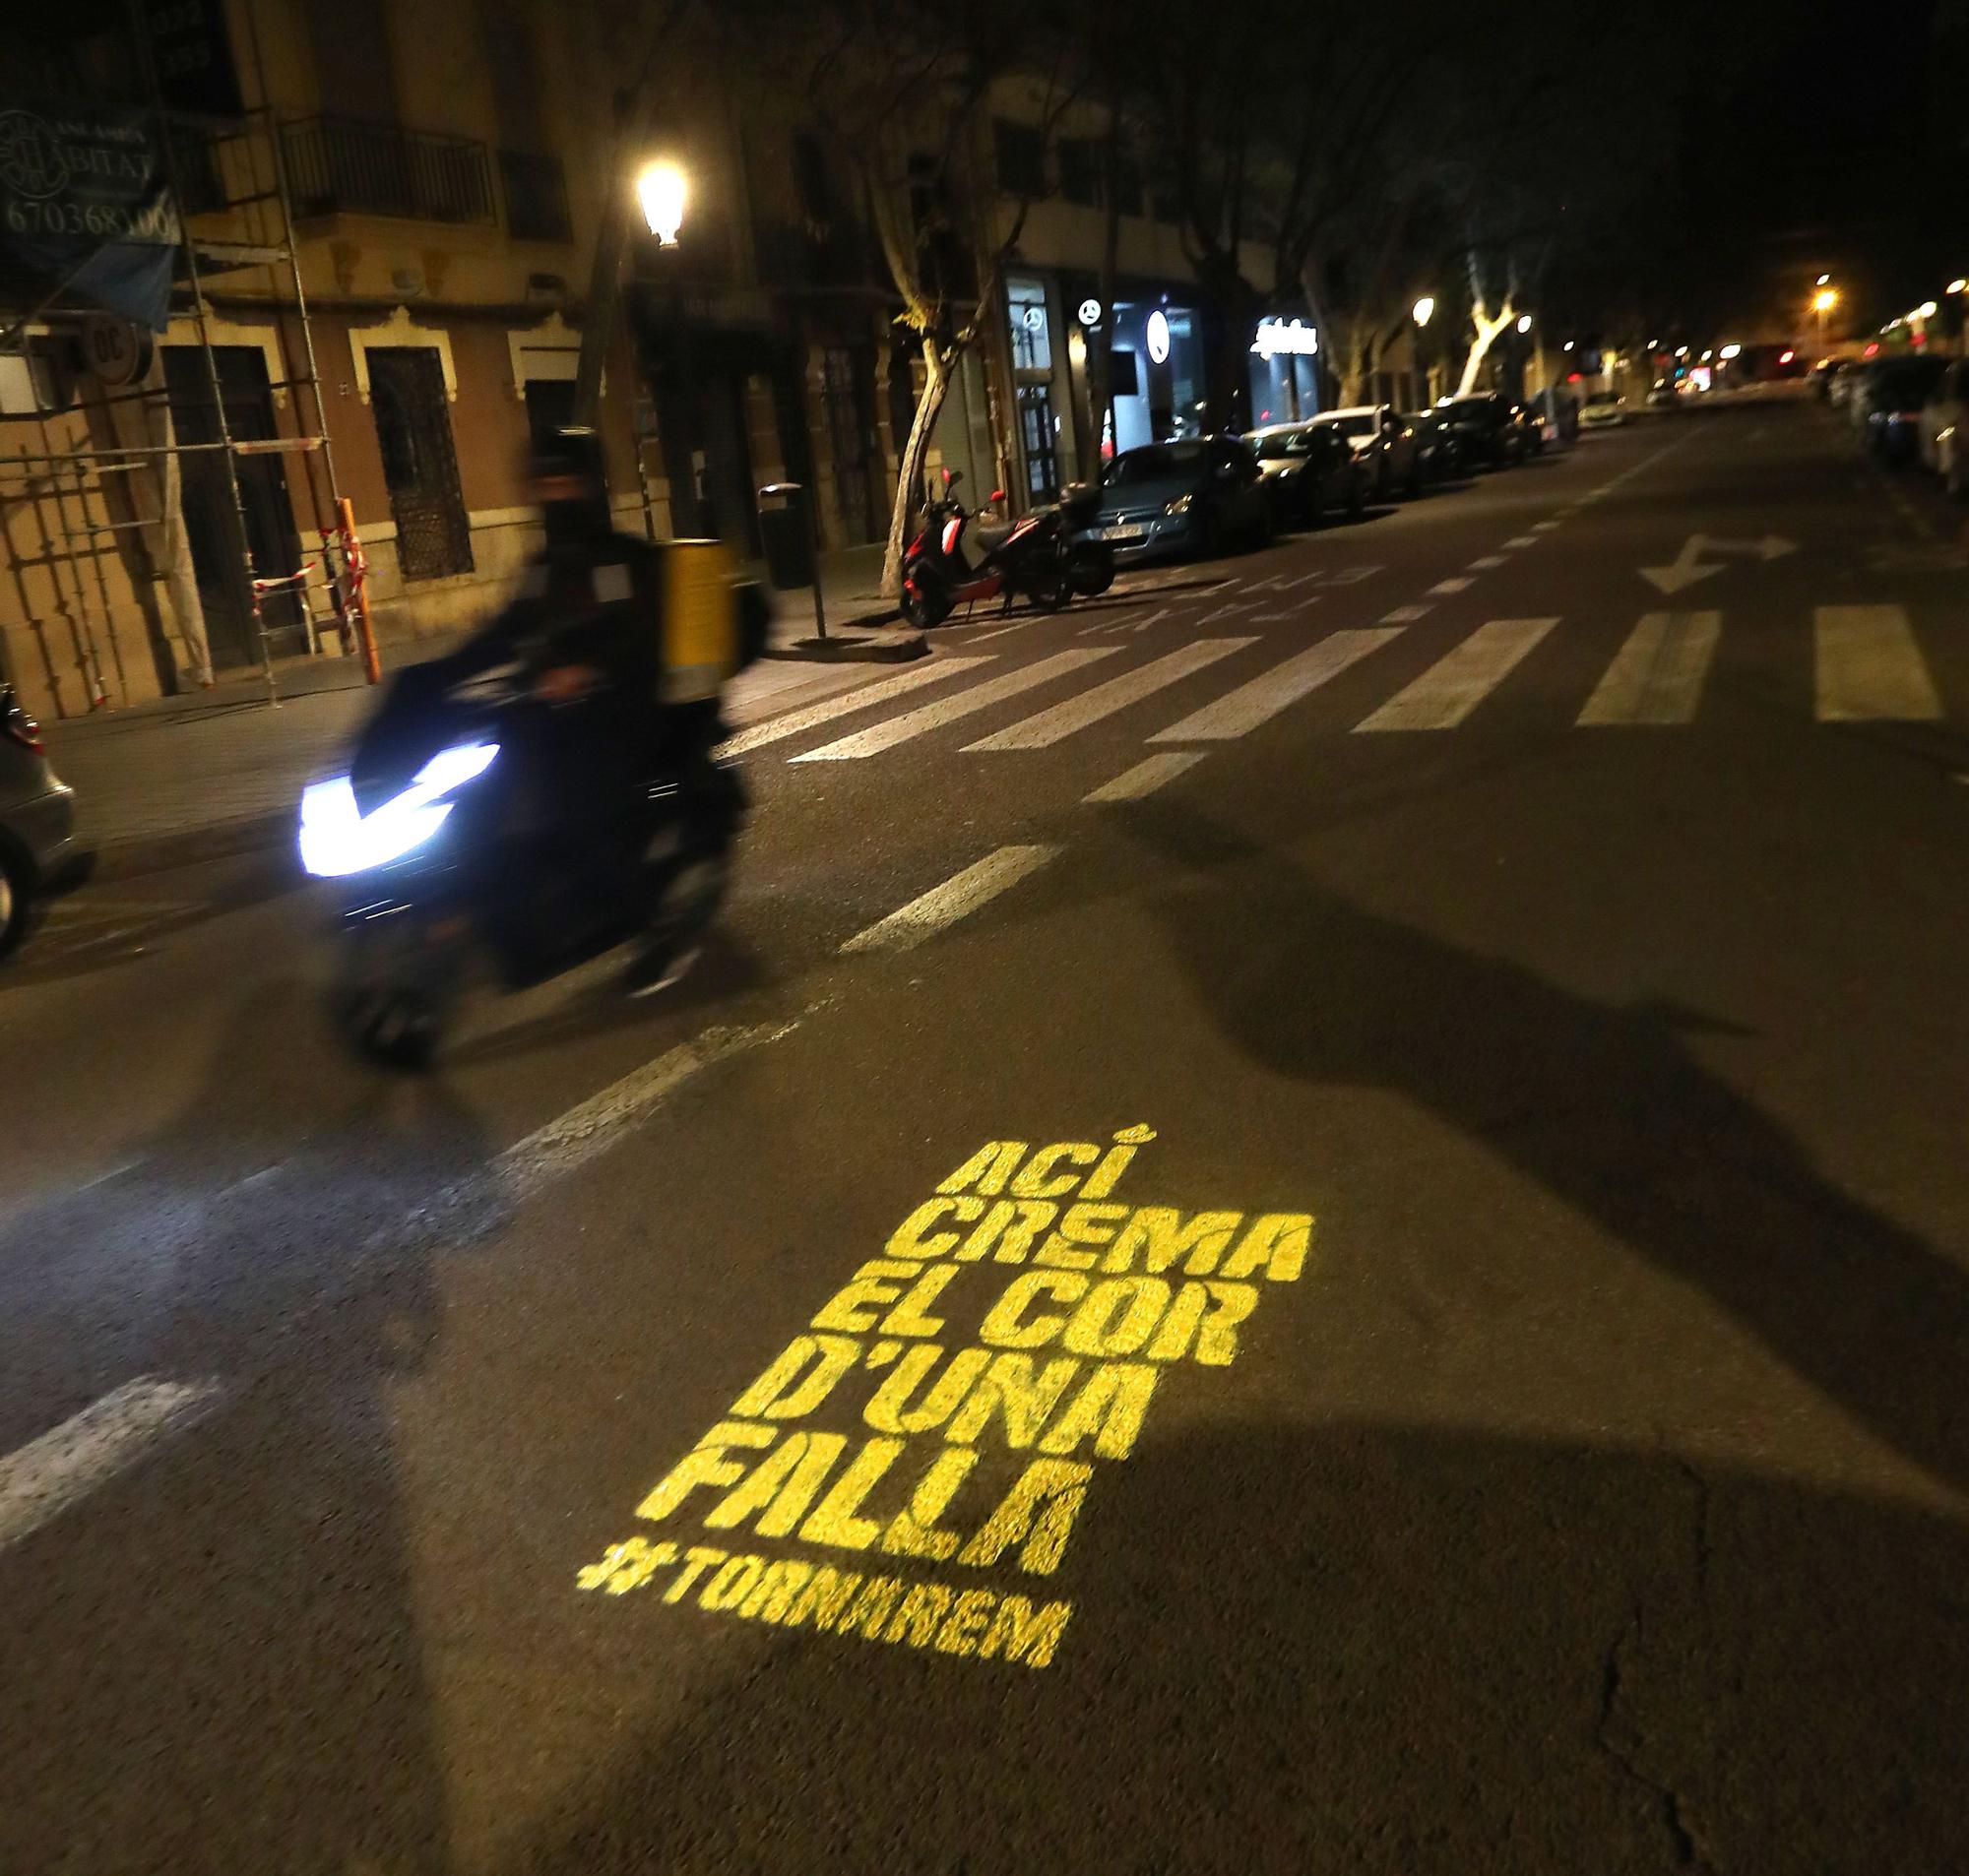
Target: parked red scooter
(1034,558)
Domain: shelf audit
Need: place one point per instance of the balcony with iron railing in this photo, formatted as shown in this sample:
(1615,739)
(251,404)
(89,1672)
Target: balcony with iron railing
(351,165)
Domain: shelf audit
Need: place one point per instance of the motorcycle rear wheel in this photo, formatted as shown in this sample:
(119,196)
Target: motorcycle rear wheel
(926,601)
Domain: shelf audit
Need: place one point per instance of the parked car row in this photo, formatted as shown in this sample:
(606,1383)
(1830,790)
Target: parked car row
(1908,408)
(1200,495)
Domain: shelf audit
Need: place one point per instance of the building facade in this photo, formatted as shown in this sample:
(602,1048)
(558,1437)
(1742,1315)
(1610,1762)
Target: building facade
(389,211)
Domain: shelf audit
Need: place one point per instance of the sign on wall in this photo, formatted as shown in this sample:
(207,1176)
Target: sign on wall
(84,204)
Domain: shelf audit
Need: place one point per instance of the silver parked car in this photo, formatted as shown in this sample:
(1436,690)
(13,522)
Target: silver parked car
(40,848)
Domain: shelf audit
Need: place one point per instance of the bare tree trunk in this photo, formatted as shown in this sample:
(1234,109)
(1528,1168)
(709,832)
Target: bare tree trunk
(939,371)
(1490,327)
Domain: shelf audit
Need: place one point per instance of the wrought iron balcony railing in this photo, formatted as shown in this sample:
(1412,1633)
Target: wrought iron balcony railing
(350,165)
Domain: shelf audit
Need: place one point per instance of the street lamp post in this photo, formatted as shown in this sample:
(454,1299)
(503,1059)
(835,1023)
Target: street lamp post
(1423,311)
(1822,302)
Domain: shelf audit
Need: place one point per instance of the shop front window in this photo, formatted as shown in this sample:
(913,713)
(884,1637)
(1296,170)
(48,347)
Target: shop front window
(1026,310)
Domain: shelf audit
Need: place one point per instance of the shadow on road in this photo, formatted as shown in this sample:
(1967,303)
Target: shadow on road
(215,1661)
(1602,1105)
(1326,1647)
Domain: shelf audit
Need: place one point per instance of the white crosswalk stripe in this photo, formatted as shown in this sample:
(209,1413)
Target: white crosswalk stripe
(1104,699)
(1145,778)
(921,722)
(932,671)
(1239,712)
(943,905)
(1658,673)
(1452,687)
(1869,667)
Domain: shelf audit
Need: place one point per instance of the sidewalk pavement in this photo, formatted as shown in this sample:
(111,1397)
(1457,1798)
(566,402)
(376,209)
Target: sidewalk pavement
(220,771)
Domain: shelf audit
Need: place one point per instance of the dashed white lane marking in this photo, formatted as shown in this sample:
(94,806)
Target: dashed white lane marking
(999,631)
(932,670)
(42,1480)
(1544,527)
(1104,699)
(921,722)
(1239,712)
(1658,673)
(1452,687)
(591,1127)
(1451,586)
(1403,614)
(1486,562)
(943,905)
(1145,778)
(1225,612)
(45,1477)
(1869,667)
(1522,540)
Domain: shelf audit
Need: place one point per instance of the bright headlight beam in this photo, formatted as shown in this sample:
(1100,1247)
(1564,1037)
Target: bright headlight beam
(338,838)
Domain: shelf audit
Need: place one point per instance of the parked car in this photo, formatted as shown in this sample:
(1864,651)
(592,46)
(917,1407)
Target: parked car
(1530,419)
(41,852)
(1941,438)
(1383,443)
(1661,394)
(1310,470)
(1888,402)
(1485,428)
(1603,410)
(1437,444)
(1196,495)
(1823,375)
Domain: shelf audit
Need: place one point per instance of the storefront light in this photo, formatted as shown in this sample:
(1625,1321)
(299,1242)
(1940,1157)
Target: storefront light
(1159,337)
(1277,335)
(1090,312)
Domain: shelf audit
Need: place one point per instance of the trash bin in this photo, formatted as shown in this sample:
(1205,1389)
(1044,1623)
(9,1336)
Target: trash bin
(786,532)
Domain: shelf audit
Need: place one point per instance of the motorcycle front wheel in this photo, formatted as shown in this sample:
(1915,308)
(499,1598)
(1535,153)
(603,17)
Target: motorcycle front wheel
(1089,567)
(395,994)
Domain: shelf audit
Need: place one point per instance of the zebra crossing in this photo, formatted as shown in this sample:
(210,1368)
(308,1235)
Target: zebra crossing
(1865,664)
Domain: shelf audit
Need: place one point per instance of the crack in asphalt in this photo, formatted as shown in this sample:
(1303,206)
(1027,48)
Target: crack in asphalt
(1676,1815)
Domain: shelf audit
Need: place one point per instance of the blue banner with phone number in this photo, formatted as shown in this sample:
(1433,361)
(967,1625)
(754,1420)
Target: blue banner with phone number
(84,198)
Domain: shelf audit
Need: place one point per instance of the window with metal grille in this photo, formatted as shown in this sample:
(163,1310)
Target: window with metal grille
(419,465)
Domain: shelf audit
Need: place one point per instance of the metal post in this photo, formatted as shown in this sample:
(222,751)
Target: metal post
(88,662)
(813,547)
(140,37)
(101,584)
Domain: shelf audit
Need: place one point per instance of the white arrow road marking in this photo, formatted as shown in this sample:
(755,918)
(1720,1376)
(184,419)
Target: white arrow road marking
(1688,566)
(1869,667)
(1454,685)
(1657,675)
(943,905)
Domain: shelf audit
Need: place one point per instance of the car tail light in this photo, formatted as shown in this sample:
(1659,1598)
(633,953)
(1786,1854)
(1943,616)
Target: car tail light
(18,726)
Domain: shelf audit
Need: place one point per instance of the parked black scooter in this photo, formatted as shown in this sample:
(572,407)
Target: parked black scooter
(1038,557)
(439,832)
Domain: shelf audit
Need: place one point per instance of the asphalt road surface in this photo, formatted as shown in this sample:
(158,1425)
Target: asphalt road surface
(1311,1219)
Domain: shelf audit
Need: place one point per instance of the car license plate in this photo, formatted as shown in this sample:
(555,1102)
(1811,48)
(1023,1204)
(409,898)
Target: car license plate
(1128,530)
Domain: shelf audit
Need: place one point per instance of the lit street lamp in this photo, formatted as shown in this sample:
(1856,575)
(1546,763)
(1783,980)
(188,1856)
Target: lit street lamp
(1422,312)
(662,191)
(1524,323)
(1822,302)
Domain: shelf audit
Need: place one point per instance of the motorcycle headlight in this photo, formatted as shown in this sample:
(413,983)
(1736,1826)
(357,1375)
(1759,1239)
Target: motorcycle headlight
(1180,506)
(338,838)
